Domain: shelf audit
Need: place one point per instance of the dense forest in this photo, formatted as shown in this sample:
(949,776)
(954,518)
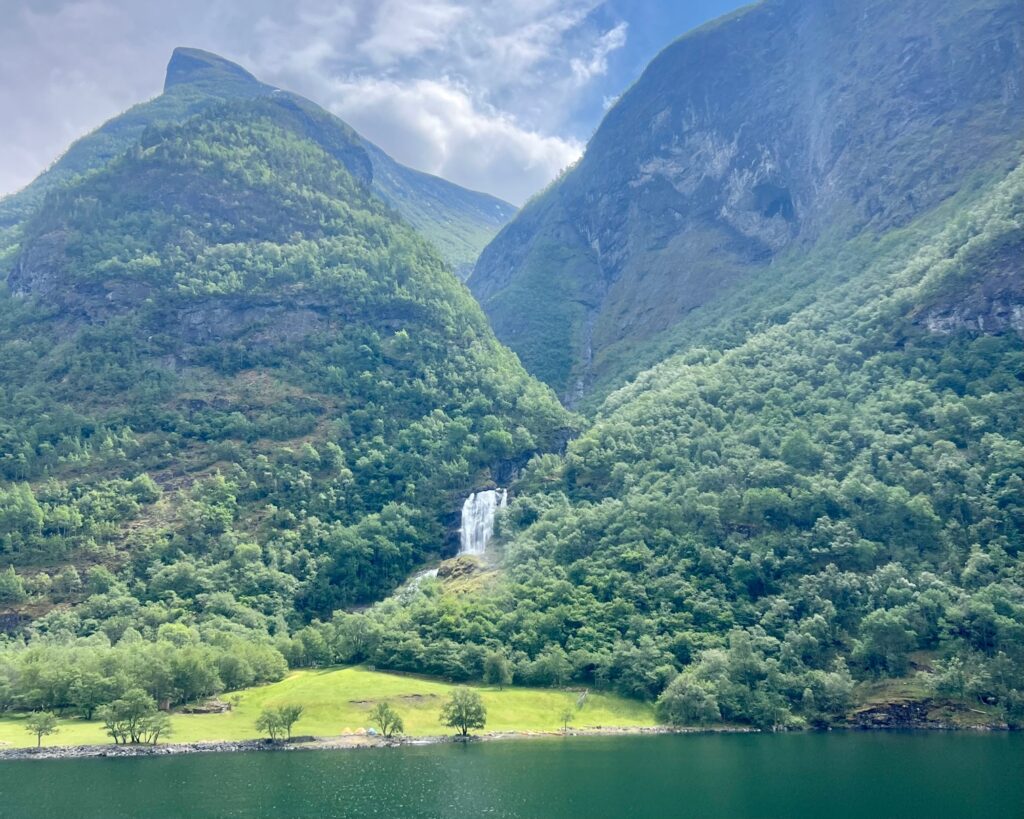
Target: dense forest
(239,393)
(242,402)
(836,498)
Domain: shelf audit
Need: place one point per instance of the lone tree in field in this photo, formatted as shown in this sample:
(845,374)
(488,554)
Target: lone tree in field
(290,714)
(464,711)
(42,724)
(565,717)
(277,722)
(387,720)
(497,670)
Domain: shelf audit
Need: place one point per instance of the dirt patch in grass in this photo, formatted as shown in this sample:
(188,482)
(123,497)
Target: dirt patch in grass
(402,697)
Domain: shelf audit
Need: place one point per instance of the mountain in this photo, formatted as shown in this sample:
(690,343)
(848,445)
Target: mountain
(822,524)
(746,144)
(242,399)
(810,513)
(195,80)
(237,385)
(460,222)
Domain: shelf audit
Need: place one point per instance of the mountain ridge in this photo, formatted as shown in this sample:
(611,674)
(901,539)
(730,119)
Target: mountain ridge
(222,296)
(458,220)
(691,188)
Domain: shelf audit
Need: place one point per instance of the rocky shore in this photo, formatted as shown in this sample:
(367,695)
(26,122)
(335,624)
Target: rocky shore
(923,715)
(116,751)
(310,743)
(889,716)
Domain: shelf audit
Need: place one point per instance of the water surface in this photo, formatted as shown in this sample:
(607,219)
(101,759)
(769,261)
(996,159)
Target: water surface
(801,775)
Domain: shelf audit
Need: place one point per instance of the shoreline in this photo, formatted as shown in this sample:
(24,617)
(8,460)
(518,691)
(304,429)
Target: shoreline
(342,742)
(351,742)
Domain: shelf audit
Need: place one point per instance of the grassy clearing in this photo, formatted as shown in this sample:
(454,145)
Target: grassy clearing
(897,689)
(338,701)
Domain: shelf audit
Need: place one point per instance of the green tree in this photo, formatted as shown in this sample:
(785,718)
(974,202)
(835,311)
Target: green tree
(90,690)
(552,667)
(269,723)
(154,726)
(497,669)
(67,582)
(133,718)
(885,641)
(565,716)
(952,679)
(687,701)
(12,590)
(464,711)
(277,723)
(387,719)
(290,714)
(41,724)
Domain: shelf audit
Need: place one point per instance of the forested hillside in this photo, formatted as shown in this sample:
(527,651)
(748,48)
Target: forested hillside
(237,394)
(838,498)
(243,400)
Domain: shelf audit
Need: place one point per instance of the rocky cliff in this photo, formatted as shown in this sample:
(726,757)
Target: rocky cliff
(744,142)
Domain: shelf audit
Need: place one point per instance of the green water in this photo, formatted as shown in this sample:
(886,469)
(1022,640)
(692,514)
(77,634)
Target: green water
(804,775)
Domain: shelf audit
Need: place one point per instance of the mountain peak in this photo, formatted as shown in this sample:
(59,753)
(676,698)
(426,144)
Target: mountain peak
(189,66)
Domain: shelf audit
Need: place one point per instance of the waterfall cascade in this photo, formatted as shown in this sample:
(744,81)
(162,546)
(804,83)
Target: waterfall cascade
(478,519)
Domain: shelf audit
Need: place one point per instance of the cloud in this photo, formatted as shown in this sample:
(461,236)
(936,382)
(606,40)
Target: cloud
(597,63)
(437,127)
(402,30)
(51,90)
(483,92)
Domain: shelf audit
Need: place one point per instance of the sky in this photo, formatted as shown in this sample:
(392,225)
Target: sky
(495,95)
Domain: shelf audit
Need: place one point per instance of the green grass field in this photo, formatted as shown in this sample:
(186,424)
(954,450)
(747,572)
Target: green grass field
(338,701)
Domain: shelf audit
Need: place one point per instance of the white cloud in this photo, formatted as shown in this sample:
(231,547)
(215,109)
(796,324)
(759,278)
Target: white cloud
(402,30)
(437,127)
(597,63)
(480,91)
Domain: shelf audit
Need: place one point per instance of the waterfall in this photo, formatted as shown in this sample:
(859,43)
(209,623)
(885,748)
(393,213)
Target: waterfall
(478,519)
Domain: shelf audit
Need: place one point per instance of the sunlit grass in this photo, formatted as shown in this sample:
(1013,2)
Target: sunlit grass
(338,701)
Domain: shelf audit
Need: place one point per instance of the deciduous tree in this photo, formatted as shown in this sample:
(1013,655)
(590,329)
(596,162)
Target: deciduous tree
(42,724)
(387,719)
(464,711)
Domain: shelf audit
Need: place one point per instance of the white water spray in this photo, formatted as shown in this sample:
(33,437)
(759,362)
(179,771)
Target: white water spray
(478,519)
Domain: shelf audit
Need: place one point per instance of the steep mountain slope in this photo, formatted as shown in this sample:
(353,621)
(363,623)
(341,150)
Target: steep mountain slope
(835,501)
(460,222)
(816,502)
(742,146)
(228,308)
(195,80)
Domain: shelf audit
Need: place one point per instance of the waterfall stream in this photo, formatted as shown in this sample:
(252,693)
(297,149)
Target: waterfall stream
(478,519)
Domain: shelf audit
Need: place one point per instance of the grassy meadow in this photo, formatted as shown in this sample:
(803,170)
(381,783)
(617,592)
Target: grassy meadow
(338,701)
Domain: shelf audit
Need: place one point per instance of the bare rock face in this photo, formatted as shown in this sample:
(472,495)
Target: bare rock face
(38,269)
(752,137)
(999,315)
(223,320)
(189,66)
(989,302)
